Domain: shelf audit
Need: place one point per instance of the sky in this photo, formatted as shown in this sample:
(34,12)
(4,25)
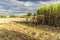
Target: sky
(21,7)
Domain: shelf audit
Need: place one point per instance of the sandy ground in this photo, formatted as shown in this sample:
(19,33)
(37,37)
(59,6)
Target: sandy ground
(6,20)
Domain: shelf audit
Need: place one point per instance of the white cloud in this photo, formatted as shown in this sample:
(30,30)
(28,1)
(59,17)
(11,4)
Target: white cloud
(28,4)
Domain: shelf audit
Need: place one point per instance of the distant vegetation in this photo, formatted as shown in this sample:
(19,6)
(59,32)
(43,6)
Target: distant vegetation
(13,16)
(16,16)
(2,16)
(29,14)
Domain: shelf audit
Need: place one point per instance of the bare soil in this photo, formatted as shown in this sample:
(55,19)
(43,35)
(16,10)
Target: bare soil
(7,20)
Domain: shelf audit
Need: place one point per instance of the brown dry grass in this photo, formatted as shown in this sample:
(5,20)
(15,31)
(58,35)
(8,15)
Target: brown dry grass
(14,31)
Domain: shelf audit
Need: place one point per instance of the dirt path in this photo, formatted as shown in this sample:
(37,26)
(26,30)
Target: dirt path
(6,20)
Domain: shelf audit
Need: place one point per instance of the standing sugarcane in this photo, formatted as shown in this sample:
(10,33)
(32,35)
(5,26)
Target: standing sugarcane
(51,13)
